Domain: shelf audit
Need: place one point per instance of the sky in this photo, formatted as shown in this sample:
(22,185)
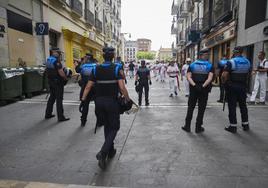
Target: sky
(148,19)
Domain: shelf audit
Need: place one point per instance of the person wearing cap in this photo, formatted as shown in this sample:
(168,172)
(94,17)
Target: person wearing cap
(200,75)
(173,72)
(221,66)
(108,82)
(235,76)
(143,79)
(184,70)
(85,70)
(260,79)
(56,81)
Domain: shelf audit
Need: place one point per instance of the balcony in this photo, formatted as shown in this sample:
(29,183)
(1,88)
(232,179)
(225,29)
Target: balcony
(180,40)
(179,18)
(174,8)
(90,18)
(185,8)
(222,11)
(76,7)
(197,24)
(174,30)
(98,25)
(206,25)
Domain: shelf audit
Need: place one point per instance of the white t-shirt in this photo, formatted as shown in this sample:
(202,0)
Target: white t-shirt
(263,64)
(184,69)
(172,71)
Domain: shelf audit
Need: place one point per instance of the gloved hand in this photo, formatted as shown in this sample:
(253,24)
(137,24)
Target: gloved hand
(150,82)
(136,82)
(65,82)
(81,106)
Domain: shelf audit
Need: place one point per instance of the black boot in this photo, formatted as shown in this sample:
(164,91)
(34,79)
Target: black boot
(111,153)
(245,127)
(199,129)
(101,157)
(231,129)
(186,128)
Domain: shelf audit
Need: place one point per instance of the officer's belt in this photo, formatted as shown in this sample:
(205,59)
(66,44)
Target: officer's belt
(106,81)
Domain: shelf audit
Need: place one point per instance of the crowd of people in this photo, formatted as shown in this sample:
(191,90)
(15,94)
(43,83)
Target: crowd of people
(105,85)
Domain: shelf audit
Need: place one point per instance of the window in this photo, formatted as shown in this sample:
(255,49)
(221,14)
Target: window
(255,12)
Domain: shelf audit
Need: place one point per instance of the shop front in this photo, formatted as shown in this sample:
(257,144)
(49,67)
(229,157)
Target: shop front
(220,42)
(76,46)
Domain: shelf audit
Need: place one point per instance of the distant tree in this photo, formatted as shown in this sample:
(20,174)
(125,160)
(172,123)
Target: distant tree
(145,55)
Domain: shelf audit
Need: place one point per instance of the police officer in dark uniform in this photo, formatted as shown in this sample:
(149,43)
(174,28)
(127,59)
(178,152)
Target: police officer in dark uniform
(85,70)
(143,79)
(121,64)
(56,80)
(235,77)
(221,66)
(200,75)
(108,82)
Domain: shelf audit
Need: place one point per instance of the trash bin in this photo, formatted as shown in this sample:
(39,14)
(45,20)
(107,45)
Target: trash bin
(10,83)
(32,80)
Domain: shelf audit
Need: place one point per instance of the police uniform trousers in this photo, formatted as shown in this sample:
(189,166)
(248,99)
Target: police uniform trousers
(221,88)
(200,96)
(108,111)
(56,94)
(144,85)
(87,101)
(237,94)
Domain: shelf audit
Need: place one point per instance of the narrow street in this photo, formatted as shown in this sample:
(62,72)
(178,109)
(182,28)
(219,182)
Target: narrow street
(152,150)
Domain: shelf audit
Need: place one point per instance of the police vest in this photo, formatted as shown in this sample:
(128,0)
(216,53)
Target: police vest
(86,70)
(106,76)
(240,69)
(143,74)
(119,64)
(51,70)
(200,70)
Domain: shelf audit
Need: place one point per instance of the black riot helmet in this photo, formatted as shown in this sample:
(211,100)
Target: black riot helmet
(108,53)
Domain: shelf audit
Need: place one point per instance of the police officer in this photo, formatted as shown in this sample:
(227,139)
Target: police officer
(85,70)
(120,64)
(235,76)
(221,66)
(199,75)
(143,78)
(108,83)
(56,81)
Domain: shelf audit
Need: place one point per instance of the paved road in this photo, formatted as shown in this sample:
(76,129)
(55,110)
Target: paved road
(152,150)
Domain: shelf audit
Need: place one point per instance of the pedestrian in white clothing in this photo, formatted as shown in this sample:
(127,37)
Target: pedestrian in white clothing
(260,79)
(163,70)
(184,76)
(172,72)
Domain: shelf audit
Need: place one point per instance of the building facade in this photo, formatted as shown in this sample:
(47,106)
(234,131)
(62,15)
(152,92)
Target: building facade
(18,41)
(144,45)
(204,24)
(131,49)
(75,26)
(253,28)
(186,26)
(164,54)
(219,28)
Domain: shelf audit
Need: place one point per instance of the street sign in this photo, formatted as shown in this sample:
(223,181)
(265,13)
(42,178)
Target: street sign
(41,28)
